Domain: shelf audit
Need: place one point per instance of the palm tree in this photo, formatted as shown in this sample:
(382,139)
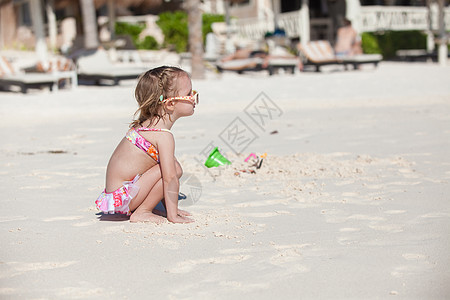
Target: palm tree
(195,38)
(89,24)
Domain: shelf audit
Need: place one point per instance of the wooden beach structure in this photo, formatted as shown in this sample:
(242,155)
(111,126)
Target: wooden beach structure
(302,20)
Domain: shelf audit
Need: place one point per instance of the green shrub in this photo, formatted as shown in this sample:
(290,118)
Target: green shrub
(388,42)
(370,43)
(174,26)
(133,30)
(207,20)
(148,43)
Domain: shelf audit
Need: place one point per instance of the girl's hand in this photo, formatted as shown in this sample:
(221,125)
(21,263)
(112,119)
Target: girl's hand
(183,213)
(181,219)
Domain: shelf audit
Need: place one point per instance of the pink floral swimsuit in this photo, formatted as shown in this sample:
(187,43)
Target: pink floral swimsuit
(135,138)
(119,200)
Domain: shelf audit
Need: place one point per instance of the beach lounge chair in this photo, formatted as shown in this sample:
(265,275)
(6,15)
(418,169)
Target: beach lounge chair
(416,55)
(10,77)
(272,63)
(320,53)
(61,67)
(96,66)
(43,74)
(280,58)
(241,65)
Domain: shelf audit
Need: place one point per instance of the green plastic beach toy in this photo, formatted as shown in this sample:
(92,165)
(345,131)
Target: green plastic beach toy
(216,159)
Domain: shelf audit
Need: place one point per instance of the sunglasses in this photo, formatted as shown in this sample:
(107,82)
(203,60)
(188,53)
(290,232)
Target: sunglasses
(193,98)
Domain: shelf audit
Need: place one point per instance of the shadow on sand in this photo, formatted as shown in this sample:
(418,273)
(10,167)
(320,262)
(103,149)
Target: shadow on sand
(112,218)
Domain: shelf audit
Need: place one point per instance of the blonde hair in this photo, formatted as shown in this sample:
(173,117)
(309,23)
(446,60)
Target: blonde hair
(153,84)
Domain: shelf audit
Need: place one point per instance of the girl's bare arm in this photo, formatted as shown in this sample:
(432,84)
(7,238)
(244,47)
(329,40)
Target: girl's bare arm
(166,147)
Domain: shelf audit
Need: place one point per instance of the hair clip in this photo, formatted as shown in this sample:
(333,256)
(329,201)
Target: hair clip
(161,98)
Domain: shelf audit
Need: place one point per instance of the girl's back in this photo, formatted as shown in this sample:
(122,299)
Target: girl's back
(128,159)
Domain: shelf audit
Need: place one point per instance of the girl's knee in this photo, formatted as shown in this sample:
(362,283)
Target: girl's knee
(179,170)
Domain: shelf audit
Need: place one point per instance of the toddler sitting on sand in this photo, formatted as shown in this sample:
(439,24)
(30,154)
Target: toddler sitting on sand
(143,169)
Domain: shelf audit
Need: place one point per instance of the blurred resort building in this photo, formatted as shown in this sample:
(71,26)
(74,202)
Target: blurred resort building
(301,20)
(320,19)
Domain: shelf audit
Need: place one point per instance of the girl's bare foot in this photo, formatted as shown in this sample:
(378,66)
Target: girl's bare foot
(183,213)
(145,216)
(181,219)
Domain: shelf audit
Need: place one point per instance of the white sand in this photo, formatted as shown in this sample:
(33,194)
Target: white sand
(351,202)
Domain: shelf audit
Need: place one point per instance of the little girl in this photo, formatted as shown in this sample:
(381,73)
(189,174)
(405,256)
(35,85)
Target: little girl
(143,170)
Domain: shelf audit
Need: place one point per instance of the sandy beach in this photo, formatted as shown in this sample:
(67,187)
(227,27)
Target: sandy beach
(351,200)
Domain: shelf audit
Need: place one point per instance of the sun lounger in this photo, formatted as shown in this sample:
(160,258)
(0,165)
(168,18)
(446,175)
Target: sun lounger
(25,82)
(61,67)
(271,64)
(415,55)
(9,77)
(356,60)
(241,65)
(96,66)
(276,63)
(320,53)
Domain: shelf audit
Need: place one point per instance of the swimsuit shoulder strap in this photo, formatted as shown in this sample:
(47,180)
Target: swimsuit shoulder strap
(152,129)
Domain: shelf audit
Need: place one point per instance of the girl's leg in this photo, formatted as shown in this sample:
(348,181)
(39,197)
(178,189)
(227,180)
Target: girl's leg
(151,192)
(141,205)
(144,212)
